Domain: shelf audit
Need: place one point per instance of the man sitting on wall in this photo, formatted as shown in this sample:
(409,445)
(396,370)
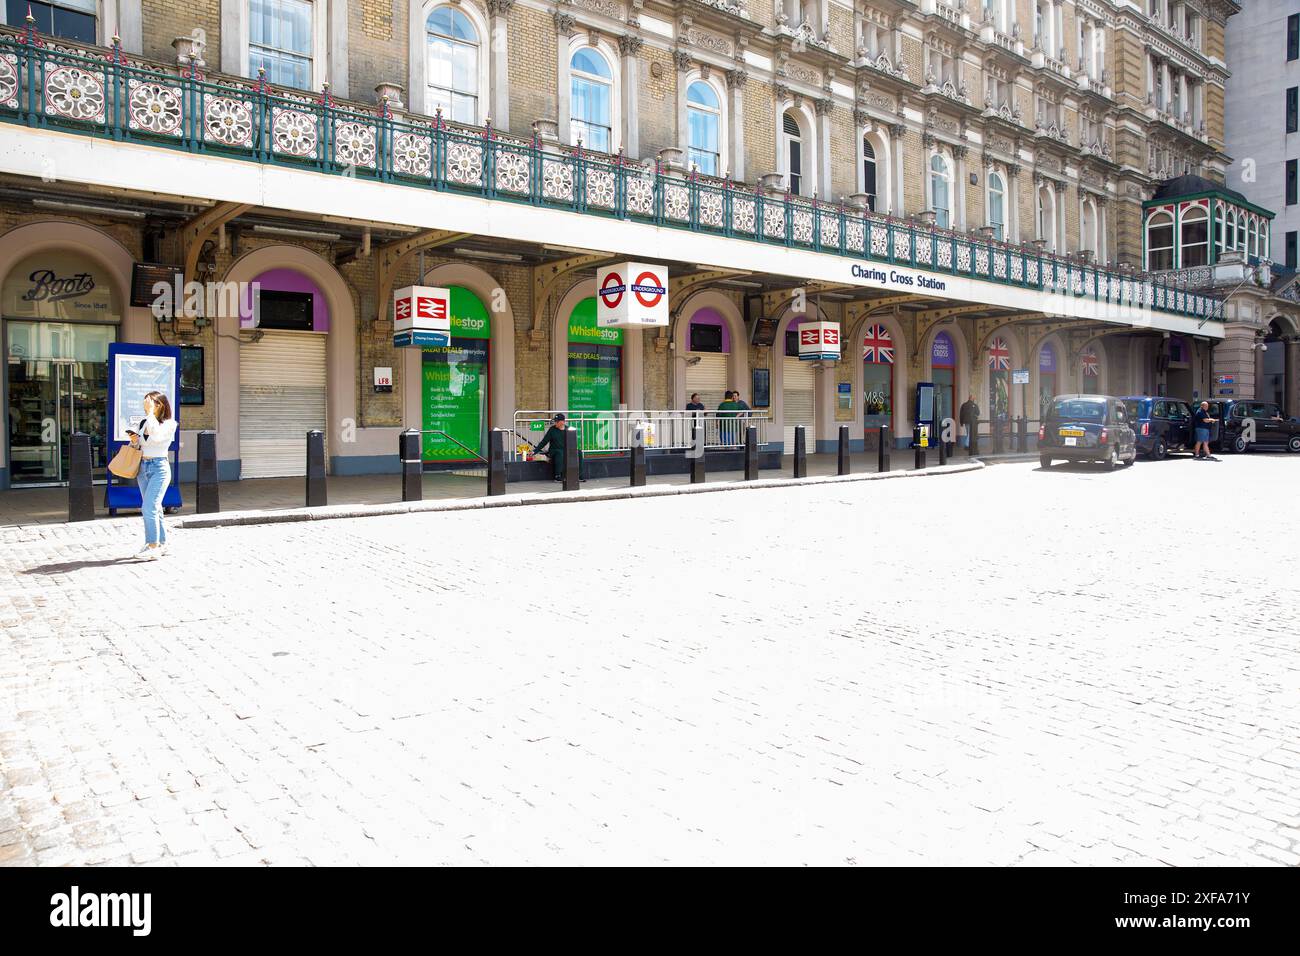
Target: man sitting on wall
(552,445)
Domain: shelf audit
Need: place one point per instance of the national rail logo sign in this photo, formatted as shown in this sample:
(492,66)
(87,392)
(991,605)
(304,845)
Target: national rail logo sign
(421,316)
(819,342)
(631,295)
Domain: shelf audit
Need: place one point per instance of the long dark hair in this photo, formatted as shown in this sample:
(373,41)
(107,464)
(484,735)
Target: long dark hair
(162,407)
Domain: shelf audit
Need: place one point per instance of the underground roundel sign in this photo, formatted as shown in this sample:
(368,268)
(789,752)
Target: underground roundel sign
(631,295)
(819,341)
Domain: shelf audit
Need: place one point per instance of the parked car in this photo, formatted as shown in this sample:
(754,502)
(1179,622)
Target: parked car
(1161,424)
(1087,428)
(1272,429)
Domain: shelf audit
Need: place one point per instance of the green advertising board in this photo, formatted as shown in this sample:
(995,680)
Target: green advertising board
(595,362)
(455,383)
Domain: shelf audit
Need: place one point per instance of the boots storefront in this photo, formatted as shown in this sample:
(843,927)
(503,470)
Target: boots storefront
(58,314)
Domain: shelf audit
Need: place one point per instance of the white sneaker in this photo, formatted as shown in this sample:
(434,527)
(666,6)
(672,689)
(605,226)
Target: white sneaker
(147,553)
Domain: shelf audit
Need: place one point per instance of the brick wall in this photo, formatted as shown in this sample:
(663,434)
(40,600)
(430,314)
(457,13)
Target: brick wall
(658,101)
(377,47)
(165,20)
(532,68)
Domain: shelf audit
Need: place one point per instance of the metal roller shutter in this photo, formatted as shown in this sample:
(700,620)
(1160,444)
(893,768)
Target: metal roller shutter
(708,376)
(798,391)
(281,398)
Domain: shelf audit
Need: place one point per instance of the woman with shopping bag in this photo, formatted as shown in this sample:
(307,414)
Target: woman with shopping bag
(151,439)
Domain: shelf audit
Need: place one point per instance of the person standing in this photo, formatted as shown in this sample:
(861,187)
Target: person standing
(969,413)
(1201,425)
(154,437)
(695,405)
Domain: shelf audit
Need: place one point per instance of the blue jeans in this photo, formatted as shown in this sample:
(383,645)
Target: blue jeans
(154,477)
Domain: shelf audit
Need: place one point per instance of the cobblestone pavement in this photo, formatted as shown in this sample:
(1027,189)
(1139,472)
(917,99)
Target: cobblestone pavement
(1006,666)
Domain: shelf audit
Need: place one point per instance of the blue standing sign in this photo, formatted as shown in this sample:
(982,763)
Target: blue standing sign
(133,372)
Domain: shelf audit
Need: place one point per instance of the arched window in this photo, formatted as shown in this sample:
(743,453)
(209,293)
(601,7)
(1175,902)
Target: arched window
(1160,242)
(591,112)
(453,64)
(1046,216)
(1232,229)
(1088,226)
(704,128)
(997,205)
(939,181)
(1194,244)
(1252,247)
(793,142)
(1218,231)
(869,172)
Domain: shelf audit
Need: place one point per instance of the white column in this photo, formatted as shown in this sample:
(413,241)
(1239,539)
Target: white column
(898,135)
(736,115)
(628,48)
(234,37)
(499,64)
(564,30)
(823,110)
(336,27)
(1013,200)
(959,193)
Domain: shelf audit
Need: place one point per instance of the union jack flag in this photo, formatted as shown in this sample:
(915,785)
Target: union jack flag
(1089,363)
(999,354)
(878,346)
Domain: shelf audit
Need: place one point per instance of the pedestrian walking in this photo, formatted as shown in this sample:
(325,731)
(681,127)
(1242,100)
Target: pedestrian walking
(969,414)
(153,436)
(1201,425)
(552,445)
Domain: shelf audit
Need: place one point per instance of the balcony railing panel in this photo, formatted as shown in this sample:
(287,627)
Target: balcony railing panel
(102,93)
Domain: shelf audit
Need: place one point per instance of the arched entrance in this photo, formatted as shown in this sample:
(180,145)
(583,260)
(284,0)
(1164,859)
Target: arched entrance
(879,364)
(63,302)
(711,350)
(1178,374)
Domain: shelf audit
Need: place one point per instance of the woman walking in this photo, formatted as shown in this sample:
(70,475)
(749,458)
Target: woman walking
(154,438)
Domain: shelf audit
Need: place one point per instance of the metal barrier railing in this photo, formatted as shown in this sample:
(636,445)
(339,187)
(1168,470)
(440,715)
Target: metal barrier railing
(662,429)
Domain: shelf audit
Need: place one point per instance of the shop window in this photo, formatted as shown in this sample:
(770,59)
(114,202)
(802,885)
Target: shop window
(704,124)
(69,19)
(280,41)
(453,57)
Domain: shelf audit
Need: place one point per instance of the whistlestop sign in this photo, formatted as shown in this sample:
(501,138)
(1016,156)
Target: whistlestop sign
(422,316)
(819,342)
(631,295)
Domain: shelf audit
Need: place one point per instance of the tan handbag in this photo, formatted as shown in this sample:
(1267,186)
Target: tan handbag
(126,463)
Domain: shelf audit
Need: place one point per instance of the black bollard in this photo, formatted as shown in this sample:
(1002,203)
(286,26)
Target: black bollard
(637,469)
(496,472)
(570,459)
(697,449)
(316,468)
(886,441)
(1022,441)
(919,461)
(81,496)
(844,450)
(800,453)
(997,436)
(751,453)
(408,453)
(207,497)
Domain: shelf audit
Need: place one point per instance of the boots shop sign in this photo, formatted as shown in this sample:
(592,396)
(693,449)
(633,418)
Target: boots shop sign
(631,295)
(58,286)
(421,317)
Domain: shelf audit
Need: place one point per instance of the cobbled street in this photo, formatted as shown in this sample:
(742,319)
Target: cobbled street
(1007,666)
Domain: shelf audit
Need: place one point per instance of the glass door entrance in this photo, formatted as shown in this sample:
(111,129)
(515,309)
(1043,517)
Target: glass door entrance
(57,384)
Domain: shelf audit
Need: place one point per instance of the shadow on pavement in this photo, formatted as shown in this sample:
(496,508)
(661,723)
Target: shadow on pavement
(69,566)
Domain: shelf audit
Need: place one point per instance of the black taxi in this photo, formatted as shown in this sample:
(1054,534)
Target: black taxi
(1087,428)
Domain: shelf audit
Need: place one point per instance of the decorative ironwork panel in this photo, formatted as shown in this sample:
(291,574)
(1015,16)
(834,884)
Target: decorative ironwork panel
(293,132)
(945,253)
(1031,270)
(711,208)
(902,244)
(925,249)
(413,155)
(74,93)
(999,266)
(9,80)
(677,201)
(557,180)
(982,260)
(154,108)
(855,235)
(354,144)
(879,240)
(641,195)
(963,257)
(743,213)
(1076,281)
(774,220)
(513,173)
(1017,268)
(228,121)
(830,230)
(465,163)
(801,224)
(600,187)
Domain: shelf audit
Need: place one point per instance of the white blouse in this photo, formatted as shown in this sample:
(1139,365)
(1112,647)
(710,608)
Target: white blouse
(157,437)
